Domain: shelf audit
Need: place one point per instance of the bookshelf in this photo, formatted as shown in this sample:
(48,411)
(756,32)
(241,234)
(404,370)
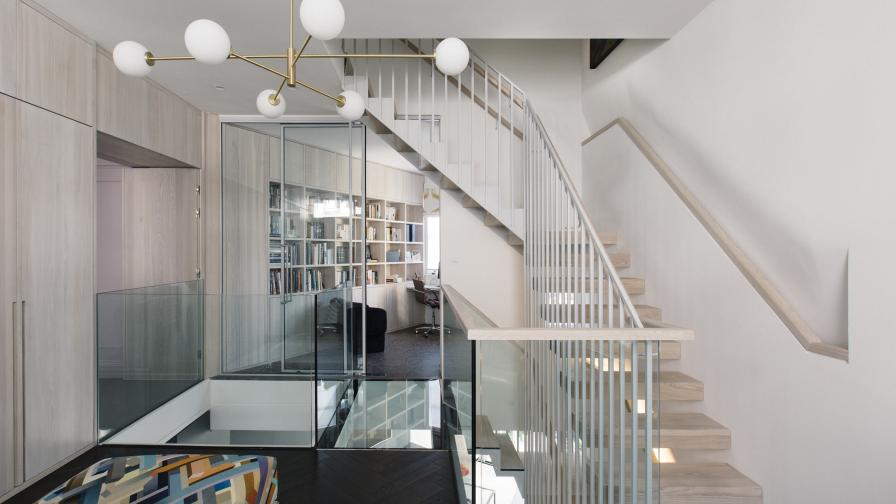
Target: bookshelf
(324,251)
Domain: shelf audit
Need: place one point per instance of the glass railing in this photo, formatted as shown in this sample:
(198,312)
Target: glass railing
(458,400)
(149,350)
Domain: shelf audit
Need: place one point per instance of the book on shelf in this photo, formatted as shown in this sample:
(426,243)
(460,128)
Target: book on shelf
(371,233)
(274,282)
(314,280)
(410,232)
(393,233)
(316,230)
(343,231)
(318,253)
(374,211)
(393,255)
(342,254)
(391,212)
(343,277)
(372,276)
(414,256)
(292,226)
(274,195)
(368,254)
(275,225)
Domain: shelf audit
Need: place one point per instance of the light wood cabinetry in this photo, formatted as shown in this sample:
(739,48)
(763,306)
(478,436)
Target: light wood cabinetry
(141,112)
(161,228)
(295,163)
(245,181)
(8,50)
(8,301)
(55,163)
(376,180)
(55,67)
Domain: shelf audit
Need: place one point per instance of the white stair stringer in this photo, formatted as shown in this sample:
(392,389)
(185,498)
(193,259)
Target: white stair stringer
(413,140)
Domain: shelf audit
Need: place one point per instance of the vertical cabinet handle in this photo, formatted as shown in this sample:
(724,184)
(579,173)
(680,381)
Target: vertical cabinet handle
(18,327)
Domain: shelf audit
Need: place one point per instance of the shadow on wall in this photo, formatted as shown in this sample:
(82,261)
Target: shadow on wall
(627,54)
(755,221)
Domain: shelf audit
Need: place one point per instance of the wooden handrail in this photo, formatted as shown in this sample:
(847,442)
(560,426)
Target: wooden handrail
(757,278)
(479,327)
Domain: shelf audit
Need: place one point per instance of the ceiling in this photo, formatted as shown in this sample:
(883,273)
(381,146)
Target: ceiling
(335,139)
(261,26)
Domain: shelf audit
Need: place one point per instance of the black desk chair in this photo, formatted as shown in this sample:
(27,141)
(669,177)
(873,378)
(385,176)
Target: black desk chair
(428,298)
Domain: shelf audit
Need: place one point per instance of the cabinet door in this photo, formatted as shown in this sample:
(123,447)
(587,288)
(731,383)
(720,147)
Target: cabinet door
(55,66)
(340,173)
(295,163)
(394,184)
(275,158)
(56,165)
(413,188)
(8,50)
(357,176)
(376,183)
(7,293)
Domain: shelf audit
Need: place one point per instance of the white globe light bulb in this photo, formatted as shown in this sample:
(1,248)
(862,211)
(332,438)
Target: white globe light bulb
(207,41)
(322,19)
(266,107)
(452,56)
(130,58)
(351,107)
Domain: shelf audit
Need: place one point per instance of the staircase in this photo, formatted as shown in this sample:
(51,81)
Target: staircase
(479,135)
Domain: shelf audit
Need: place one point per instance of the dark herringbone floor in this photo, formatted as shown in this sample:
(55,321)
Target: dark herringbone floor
(315,476)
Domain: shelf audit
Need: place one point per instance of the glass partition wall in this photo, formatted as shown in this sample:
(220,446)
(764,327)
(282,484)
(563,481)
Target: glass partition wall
(293,247)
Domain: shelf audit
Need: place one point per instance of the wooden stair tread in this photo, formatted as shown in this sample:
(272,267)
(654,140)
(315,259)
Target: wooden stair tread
(672,386)
(485,435)
(704,483)
(510,459)
(680,431)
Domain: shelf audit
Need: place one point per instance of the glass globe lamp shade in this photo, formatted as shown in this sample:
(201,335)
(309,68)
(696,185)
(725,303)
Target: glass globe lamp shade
(452,56)
(322,19)
(267,108)
(130,58)
(352,106)
(207,41)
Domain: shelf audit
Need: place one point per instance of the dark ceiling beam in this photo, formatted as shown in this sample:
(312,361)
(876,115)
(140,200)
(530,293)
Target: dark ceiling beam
(600,49)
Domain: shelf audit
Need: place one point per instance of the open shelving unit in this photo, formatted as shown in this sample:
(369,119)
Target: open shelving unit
(322,252)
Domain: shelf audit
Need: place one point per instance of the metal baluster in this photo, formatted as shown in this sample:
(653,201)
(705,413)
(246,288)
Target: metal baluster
(611,430)
(634,372)
(472,107)
(485,141)
(432,97)
(419,97)
(648,421)
(621,422)
(510,154)
(498,137)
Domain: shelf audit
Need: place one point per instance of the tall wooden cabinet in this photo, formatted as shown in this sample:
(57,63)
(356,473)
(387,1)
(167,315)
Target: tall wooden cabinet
(55,163)
(47,288)
(8,300)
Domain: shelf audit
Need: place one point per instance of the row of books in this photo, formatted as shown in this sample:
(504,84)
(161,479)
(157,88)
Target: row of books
(319,253)
(280,253)
(274,196)
(316,230)
(314,280)
(411,233)
(391,213)
(276,286)
(375,211)
(393,233)
(371,233)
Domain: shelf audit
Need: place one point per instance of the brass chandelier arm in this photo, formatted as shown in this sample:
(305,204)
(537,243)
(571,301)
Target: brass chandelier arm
(380,56)
(338,99)
(152,59)
(259,65)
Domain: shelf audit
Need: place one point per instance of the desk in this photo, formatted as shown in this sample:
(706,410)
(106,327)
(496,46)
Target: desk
(430,287)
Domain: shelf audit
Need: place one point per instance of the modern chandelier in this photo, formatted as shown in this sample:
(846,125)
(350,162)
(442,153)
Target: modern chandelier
(208,43)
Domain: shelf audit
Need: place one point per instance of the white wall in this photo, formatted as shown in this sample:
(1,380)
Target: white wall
(775,113)
(547,71)
(480,264)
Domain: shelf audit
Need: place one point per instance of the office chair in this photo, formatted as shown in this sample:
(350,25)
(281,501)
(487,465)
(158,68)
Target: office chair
(427,298)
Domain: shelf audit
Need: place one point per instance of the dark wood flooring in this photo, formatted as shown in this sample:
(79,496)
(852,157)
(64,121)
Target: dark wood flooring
(313,476)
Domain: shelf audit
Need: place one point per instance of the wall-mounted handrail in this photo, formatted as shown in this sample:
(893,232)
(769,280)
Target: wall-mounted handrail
(757,278)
